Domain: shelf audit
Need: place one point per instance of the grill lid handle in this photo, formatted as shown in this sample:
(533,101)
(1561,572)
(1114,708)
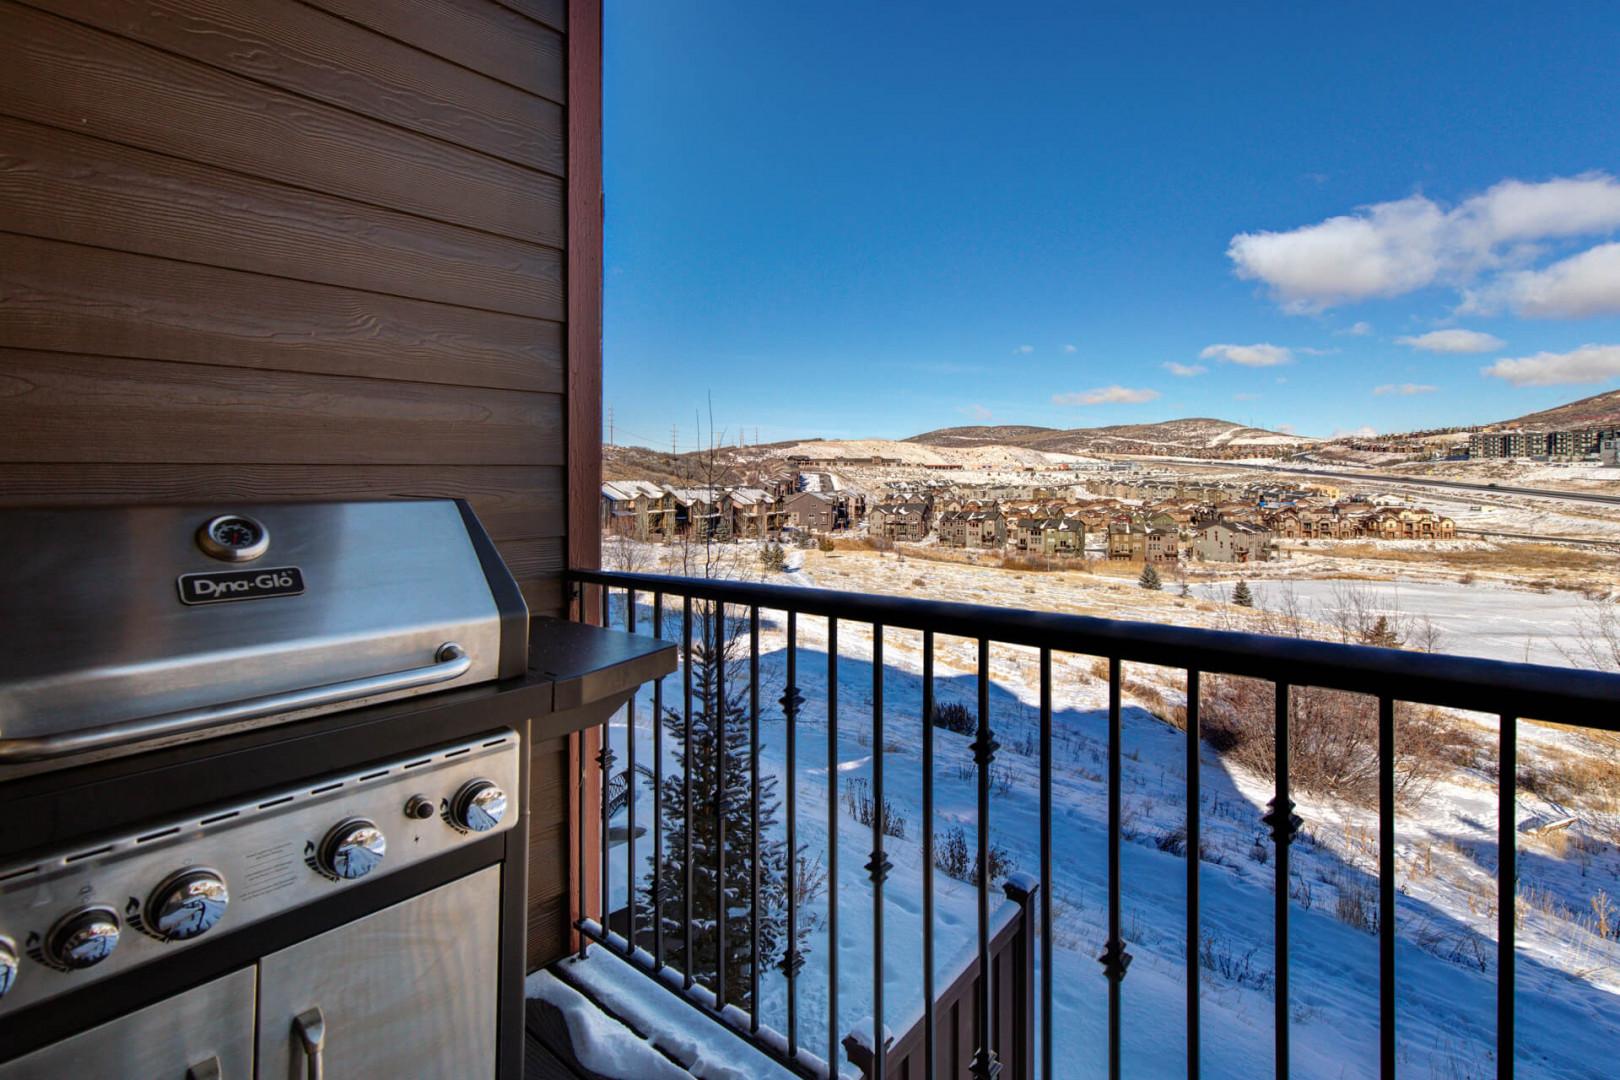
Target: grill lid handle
(450,662)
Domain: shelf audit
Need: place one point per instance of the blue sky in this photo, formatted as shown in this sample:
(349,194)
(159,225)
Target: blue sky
(873,219)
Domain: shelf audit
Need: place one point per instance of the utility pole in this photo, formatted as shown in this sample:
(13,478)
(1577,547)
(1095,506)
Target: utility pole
(610,425)
(674,431)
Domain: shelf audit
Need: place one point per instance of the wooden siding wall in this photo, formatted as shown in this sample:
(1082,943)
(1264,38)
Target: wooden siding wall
(288,249)
(298,249)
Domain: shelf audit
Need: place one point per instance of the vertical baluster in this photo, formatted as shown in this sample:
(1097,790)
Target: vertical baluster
(658,796)
(878,867)
(584,774)
(1046,863)
(1195,856)
(604,757)
(689,955)
(1115,960)
(1507,888)
(753,791)
(791,958)
(721,908)
(630,793)
(832,839)
(1386,887)
(928,851)
(1283,824)
(985,1066)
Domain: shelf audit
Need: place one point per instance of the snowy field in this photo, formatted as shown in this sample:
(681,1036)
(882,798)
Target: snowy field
(1568,967)
(1474,620)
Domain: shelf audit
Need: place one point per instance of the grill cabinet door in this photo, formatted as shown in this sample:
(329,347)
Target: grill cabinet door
(205,1032)
(406,991)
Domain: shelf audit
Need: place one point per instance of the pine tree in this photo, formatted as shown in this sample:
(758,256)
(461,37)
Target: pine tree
(1382,634)
(1241,596)
(709,752)
(1150,578)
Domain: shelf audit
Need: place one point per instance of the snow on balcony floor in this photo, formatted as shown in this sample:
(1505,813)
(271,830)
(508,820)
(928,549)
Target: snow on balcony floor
(673,1028)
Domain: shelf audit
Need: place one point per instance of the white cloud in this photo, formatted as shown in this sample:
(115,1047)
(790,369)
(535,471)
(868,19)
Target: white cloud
(1245,397)
(1069,348)
(1404,389)
(1185,371)
(1453,341)
(1261,355)
(1385,250)
(1358,329)
(1392,248)
(976,412)
(1587,364)
(1581,285)
(1026,349)
(1106,395)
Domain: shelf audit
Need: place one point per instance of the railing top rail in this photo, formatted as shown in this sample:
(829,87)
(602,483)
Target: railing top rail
(1532,691)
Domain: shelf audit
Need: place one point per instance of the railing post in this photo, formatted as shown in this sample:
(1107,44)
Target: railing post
(1018,1045)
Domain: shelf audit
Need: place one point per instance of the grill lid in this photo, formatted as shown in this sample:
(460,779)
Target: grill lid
(123,625)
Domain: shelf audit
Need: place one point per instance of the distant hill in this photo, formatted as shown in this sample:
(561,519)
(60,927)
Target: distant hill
(983,435)
(1197,433)
(1598,411)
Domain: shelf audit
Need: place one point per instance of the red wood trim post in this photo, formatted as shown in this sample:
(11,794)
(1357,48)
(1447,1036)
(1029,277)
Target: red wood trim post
(584,408)
(1018,1050)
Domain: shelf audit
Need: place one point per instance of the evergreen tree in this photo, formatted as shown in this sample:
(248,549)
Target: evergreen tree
(1381,633)
(1150,578)
(1241,596)
(713,712)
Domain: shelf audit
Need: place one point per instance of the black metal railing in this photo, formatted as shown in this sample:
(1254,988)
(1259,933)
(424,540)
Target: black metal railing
(1512,692)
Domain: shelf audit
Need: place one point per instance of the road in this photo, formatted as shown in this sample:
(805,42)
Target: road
(1423,481)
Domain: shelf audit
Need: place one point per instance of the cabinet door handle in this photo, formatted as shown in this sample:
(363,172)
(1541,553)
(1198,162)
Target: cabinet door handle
(310,1027)
(205,1070)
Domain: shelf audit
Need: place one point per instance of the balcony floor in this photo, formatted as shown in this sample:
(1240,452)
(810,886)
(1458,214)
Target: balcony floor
(601,1019)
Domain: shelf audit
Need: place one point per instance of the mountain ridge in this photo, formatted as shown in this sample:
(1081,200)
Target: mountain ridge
(1188,433)
(1597,411)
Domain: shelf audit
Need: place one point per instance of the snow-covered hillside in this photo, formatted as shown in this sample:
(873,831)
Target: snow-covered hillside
(1568,970)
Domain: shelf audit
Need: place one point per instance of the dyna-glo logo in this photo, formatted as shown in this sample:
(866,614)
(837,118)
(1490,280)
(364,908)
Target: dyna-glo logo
(222,585)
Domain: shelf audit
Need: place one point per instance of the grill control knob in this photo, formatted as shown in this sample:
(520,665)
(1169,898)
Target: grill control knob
(353,849)
(189,903)
(478,806)
(83,939)
(8,965)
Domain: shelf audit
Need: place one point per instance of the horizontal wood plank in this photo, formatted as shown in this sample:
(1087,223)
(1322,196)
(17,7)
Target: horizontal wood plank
(513,502)
(286,44)
(476,34)
(70,76)
(69,298)
(61,407)
(545,596)
(552,13)
(533,558)
(64,186)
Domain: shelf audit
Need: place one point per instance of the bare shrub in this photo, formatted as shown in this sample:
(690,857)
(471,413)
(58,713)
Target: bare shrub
(860,805)
(1356,905)
(1237,968)
(951,854)
(954,716)
(1333,736)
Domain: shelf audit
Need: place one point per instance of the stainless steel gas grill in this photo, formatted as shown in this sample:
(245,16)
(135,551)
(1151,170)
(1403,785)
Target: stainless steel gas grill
(263,776)
(130,626)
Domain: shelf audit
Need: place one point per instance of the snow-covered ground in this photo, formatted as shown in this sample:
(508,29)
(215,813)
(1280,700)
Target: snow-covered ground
(1568,975)
(1473,620)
